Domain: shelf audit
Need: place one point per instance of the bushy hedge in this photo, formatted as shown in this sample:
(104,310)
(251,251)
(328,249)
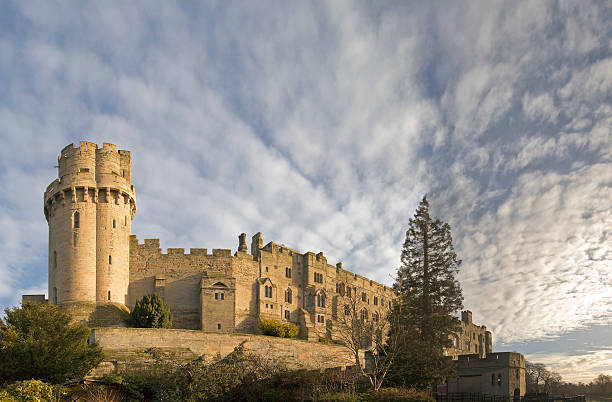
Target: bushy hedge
(275,328)
(29,390)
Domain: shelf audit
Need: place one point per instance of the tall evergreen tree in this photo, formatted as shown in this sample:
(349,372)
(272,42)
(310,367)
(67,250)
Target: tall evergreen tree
(429,297)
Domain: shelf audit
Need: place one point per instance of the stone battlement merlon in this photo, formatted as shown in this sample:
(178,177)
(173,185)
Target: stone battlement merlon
(152,246)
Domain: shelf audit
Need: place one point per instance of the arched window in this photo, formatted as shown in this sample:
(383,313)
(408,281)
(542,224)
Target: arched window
(288,296)
(321,300)
(268,291)
(364,315)
(375,316)
(76,220)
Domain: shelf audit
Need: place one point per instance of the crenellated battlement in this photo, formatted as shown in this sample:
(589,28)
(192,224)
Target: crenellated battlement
(152,246)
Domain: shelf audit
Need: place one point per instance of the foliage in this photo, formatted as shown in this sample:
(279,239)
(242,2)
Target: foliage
(279,329)
(41,342)
(170,379)
(151,312)
(29,390)
(428,297)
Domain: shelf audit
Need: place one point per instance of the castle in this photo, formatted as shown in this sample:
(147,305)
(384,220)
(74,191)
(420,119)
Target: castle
(98,270)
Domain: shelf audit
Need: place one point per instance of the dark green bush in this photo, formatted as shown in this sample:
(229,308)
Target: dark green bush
(151,312)
(41,342)
(279,329)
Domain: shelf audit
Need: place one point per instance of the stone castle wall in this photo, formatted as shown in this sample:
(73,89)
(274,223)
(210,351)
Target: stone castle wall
(126,346)
(221,292)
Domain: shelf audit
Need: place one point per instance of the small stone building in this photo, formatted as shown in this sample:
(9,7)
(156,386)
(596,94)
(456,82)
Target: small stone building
(500,374)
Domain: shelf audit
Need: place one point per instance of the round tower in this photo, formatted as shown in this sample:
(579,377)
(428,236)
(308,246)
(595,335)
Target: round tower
(89,208)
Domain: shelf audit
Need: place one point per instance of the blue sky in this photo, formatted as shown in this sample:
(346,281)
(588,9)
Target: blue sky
(321,124)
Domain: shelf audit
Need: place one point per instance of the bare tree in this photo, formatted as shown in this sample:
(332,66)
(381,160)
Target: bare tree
(367,332)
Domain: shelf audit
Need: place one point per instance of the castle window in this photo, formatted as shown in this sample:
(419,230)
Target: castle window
(347,309)
(288,296)
(268,291)
(216,296)
(375,301)
(77,222)
(310,300)
(222,296)
(389,304)
(122,173)
(340,288)
(375,316)
(318,277)
(266,269)
(364,315)
(218,326)
(321,300)
(109,295)
(287,314)
(114,224)
(320,318)
(364,297)
(288,272)
(110,260)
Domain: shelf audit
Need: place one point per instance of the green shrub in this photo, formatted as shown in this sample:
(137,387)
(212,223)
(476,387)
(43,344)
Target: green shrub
(26,391)
(151,312)
(41,342)
(279,329)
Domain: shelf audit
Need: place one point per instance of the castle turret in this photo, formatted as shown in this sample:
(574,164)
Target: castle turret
(89,209)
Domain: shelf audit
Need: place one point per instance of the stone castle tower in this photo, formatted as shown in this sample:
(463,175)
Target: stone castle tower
(89,209)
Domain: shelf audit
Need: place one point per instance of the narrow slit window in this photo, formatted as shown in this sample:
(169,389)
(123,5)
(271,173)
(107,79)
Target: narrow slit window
(77,222)
(114,224)
(216,296)
(110,259)
(109,295)
(218,326)
(222,296)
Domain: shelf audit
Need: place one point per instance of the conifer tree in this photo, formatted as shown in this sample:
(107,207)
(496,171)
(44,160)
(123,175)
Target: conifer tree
(428,298)
(151,312)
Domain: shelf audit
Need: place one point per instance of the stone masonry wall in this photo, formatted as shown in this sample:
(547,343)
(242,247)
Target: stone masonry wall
(176,276)
(125,346)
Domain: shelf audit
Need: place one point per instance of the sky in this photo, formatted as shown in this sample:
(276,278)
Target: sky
(322,124)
